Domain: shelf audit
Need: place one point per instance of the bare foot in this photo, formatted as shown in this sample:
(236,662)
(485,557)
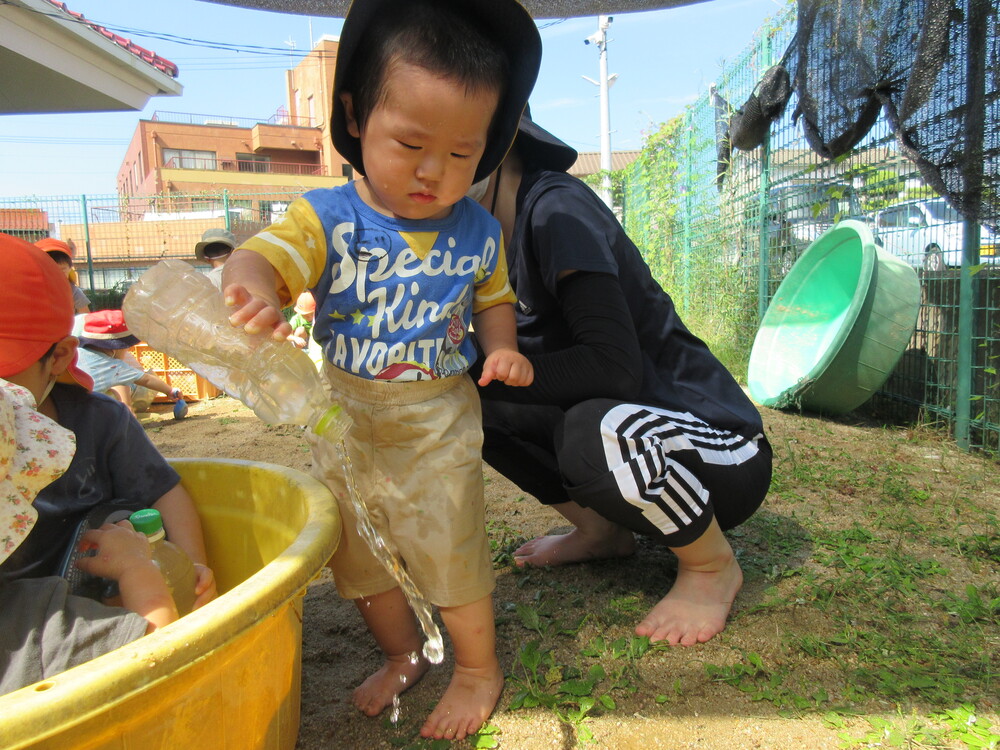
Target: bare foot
(696,607)
(576,546)
(396,675)
(466,704)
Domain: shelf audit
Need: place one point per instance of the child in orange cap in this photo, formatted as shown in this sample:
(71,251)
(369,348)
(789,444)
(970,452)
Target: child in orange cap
(45,630)
(302,325)
(115,463)
(302,321)
(63,253)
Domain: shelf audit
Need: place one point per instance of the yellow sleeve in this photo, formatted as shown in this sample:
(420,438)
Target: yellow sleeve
(295,245)
(495,289)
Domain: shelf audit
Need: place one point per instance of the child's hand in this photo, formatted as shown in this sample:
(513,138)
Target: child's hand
(508,366)
(299,337)
(204,588)
(255,314)
(118,547)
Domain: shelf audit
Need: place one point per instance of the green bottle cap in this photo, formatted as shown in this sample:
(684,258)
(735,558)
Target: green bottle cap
(148,521)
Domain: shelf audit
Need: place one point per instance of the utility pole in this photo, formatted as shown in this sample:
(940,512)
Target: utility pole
(601,40)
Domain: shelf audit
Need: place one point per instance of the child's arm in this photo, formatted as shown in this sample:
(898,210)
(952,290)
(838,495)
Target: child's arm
(154,383)
(252,286)
(124,555)
(183,527)
(146,379)
(496,329)
(300,337)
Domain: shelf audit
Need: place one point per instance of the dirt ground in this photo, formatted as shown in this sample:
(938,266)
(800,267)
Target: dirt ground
(667,698)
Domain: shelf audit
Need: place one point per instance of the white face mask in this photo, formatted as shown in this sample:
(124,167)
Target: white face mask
(478,189)
(47,391)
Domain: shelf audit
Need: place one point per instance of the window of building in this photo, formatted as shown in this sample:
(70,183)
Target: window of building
(180,158)
(312,111)
(253,162)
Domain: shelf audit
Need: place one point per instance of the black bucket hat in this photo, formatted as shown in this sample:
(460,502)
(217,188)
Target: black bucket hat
(539,148)
(511,27)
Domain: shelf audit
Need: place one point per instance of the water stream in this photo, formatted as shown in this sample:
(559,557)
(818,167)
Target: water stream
(327,454)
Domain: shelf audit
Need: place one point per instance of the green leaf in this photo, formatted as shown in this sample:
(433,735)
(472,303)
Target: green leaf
(486,738)
(596,673)
(529,617)
(530,657)
(577,687)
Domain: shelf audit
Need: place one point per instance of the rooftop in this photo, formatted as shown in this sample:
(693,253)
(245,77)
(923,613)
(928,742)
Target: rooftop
(147,56)
(589,162)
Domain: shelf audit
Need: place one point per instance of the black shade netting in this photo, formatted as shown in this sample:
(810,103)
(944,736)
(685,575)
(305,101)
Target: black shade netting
(948,120)
(932,64)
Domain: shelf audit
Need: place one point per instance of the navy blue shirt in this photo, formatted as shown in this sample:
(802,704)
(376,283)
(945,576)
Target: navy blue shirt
(114,461)
(562,225)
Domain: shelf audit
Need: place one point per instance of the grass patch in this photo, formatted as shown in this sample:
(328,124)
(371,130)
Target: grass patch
(878,568)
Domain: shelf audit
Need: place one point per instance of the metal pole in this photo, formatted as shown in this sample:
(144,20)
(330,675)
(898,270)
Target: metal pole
(603,23)
(763,197)
(604,84)
(225,208)
(86,241)
(688,208)
(975,75)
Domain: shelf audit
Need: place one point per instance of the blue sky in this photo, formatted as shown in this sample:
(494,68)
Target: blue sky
(664,60)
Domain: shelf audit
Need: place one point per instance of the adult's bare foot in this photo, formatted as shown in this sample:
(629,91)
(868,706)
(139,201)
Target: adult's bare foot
(397,674)
(697,605)
(466,704)
(576,546)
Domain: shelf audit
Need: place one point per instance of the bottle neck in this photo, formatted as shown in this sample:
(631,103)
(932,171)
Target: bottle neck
(156,536)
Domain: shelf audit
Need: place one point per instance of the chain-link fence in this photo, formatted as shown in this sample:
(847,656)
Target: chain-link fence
(117,238)
(721,223)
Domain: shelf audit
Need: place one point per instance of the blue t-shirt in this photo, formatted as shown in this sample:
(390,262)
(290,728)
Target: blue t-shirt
(394,297)
(114,461)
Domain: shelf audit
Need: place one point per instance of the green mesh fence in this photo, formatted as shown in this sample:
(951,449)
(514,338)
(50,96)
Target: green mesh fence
(117,238)
(721,230)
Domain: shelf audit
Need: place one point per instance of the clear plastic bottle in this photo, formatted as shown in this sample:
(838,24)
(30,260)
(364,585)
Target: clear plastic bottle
(174,563)
(177,310)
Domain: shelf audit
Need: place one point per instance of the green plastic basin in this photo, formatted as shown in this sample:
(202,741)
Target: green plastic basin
(837,325)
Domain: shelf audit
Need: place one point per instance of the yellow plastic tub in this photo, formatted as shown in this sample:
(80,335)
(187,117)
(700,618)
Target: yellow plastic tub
(225,676)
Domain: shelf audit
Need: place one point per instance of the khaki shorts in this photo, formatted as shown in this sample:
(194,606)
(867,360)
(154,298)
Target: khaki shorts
(416,454)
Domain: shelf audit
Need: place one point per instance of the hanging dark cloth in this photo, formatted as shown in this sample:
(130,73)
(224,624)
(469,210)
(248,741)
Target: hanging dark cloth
(749,125)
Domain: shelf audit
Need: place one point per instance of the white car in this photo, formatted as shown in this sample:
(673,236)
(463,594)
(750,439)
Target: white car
(800,211)
(928,234)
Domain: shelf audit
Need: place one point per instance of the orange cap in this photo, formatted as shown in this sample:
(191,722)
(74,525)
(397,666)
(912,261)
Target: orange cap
(36,309)
(51,244)
(306,303)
